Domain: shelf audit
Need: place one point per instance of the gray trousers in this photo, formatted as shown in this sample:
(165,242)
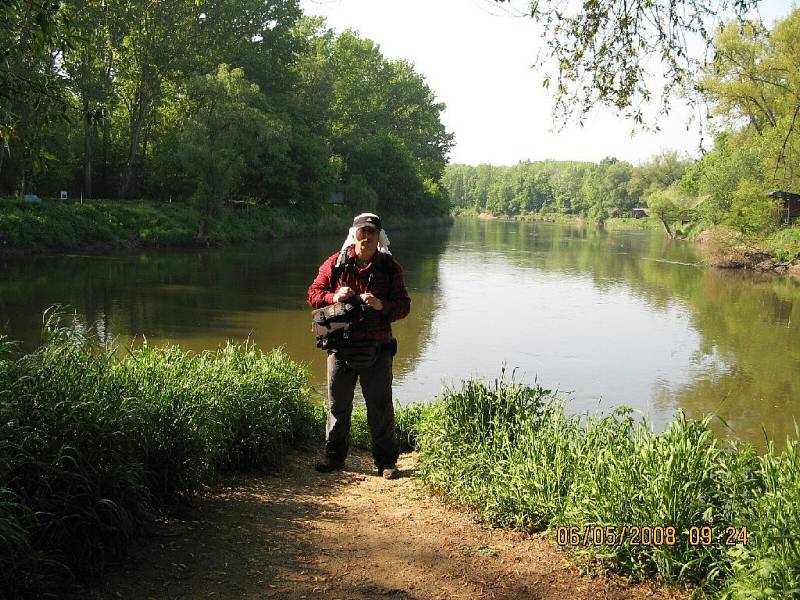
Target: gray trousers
(376,385)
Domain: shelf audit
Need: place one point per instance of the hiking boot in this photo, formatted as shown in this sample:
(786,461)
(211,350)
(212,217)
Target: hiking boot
(328,465)
(390,472)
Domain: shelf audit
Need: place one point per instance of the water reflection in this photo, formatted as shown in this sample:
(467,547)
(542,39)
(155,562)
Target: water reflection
(629,318)
(612,317)
(200,299)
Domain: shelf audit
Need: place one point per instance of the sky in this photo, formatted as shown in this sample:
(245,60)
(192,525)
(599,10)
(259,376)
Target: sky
(478,60)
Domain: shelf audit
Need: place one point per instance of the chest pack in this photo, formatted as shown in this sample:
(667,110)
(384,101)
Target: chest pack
(331,324)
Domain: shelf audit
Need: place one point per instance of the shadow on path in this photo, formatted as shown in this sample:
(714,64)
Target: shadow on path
(349,535)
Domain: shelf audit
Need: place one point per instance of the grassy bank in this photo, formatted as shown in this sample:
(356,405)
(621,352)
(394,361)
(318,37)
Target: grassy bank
(513,455)
(94,445)
(615,223)
(118,224)
(526,216)
(622,223)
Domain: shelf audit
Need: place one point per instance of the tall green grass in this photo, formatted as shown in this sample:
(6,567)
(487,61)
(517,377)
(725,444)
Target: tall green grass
(408,425)
(513,454)
(783,244)
(92,444)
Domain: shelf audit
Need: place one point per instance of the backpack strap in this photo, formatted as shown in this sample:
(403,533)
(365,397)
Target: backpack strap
(340,265)
(389,267)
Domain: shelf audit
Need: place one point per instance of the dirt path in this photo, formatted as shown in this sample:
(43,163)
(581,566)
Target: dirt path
(348,535)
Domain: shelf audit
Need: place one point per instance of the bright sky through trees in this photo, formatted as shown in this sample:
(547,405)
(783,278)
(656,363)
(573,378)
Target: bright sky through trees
(477,56)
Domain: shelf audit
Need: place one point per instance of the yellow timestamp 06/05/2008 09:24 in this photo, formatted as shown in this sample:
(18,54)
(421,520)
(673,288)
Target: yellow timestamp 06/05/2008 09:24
(649,535)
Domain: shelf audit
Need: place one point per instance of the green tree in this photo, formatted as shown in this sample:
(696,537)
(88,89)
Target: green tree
(740,82)
(167,41)
(359,196)
(90,67)
(715,177)
(658,173)
(501,198)
(380,103)
(752,212)
(226,130)
(145,120)
(754,88)
(31,33)
(668,206)
(390,170)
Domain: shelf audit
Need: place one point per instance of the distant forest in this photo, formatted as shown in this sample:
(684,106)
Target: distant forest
(610,188)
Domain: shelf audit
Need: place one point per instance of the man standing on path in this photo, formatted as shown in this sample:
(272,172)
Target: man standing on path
(365,274)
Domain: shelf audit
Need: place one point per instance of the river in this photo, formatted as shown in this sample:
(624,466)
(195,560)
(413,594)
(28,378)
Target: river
(607,318)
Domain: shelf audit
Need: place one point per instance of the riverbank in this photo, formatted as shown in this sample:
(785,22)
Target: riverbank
(778,252)
(680,506)
(94,445)
(720,247)
(101,225)
(532,216)
(614,223)
(97,446)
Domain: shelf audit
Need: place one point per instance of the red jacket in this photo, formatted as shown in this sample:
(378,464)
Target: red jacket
(385,279)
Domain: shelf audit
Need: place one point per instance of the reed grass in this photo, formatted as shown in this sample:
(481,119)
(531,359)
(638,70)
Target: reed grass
(95,441)
(93,445)
(511,453)
(408,422)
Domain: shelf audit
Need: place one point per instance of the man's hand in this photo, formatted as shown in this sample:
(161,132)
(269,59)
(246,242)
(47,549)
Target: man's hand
(343,293)
(372,301)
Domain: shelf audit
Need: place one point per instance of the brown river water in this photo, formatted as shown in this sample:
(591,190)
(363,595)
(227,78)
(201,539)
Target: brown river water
(607,318)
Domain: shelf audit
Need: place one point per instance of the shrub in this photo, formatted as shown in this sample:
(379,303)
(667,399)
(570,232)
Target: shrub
(752,212)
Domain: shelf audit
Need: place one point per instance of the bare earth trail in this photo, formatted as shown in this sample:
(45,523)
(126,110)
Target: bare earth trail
(348,535)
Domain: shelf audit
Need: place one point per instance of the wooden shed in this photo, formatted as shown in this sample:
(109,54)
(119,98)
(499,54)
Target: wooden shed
(791,203)
(640,213)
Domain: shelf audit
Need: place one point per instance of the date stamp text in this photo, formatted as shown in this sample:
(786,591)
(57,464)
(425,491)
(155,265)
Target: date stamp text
(655,535)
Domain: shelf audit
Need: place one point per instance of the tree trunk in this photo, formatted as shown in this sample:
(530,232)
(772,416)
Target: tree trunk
(669,231)
(136,131)
(130,164)
(29,166)
(87,150)
(105,189)
(108,86)
(142,155)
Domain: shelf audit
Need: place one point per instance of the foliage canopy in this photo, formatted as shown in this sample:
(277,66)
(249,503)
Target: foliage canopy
(244,100)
